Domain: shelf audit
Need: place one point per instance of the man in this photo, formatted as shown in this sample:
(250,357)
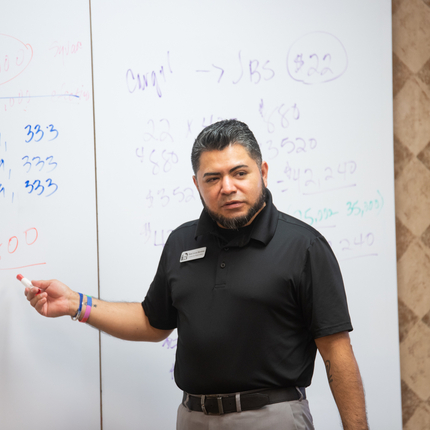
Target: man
(253,293)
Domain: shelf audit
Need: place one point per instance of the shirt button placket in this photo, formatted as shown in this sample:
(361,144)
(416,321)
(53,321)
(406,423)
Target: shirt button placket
(221,274)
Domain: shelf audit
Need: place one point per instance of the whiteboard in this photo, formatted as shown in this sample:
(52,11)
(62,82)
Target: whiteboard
(49,371)
(312,80)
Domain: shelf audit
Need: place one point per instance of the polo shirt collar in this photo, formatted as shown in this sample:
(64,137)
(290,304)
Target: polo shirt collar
(264,225)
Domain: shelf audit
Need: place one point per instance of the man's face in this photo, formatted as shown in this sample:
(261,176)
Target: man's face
(231,186)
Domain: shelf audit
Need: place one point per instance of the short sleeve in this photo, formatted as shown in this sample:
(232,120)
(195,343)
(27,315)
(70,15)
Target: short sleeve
(158,301)
(322,293)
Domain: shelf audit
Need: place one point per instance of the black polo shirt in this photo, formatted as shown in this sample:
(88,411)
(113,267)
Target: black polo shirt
(248,311)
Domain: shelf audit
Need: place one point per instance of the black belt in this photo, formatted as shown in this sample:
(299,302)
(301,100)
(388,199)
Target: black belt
(225,404)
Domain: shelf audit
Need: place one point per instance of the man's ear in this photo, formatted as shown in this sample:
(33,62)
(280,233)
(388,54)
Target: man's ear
(195,182)
(264,171)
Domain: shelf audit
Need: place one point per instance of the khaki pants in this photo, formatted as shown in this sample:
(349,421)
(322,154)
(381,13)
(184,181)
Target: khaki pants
(294,415)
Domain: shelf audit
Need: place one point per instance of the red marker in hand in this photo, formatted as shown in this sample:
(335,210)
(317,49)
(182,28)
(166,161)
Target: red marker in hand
(26,283)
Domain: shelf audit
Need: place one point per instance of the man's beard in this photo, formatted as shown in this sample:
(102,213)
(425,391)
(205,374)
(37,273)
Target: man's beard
(240,221)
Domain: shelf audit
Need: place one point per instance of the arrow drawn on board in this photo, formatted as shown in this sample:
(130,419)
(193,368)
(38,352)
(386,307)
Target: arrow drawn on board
(222,71)
(208,71)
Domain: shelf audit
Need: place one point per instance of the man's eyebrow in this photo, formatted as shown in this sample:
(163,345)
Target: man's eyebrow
(240,166)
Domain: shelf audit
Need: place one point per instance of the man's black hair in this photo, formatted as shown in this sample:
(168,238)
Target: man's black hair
(221,134)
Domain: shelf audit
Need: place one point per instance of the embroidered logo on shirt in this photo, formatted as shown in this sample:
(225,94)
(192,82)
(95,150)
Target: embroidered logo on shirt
(193,254)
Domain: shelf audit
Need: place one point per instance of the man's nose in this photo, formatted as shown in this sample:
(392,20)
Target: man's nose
(227,185)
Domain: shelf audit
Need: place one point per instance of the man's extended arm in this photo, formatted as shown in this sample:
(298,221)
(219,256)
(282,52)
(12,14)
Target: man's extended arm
(123,320)
(344,379)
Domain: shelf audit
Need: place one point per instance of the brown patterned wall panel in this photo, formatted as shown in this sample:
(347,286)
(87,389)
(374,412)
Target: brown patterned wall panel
(411,92)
